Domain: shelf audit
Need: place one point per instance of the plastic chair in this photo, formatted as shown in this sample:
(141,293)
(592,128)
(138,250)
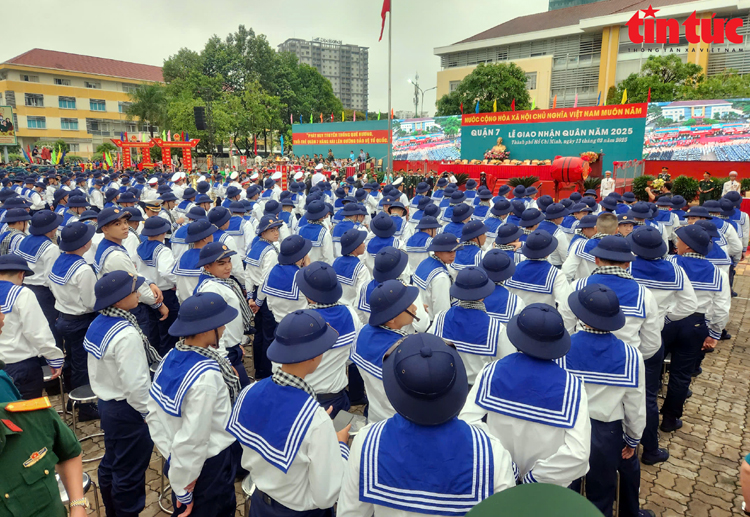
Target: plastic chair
(248,487)
(87,484)
(47,373)
(83,395)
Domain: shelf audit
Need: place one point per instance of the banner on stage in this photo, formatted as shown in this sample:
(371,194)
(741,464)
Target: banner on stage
(427,139)
(342,138)
(617,131)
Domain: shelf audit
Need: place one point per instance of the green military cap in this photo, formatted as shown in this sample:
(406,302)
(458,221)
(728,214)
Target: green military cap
(535,500)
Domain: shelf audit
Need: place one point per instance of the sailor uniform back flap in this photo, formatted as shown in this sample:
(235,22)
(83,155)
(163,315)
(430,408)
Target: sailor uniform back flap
(501,304)
(399,222)
(418,243)
(178,237)
(284,216)
(258,250)
(341,228)
(403,466)
(548,226)
(187,265)
(702,274)
(101,332)
(347,269)
(664,217)
(371,346)
(468,255)
(340,318)
(177,373)
(272,420)
(363,302)
(717,256)
(631,293)
(480,212)
(314,233)
(427,270)
(567,224)
(471,330)
(492,223)
(583,249)
(515,256)
(221,236)
(235,226)
(32,247)
(65,267)
(454,228)
(103,250)
(8,295)
(281,282)
(530,389)
(148,251)
(657,274)
(378,243)
(536,276)
(601,359)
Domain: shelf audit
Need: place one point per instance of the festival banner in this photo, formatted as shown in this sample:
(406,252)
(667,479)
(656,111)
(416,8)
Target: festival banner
(417,139)
(617,131)
(7,127)
(342,138)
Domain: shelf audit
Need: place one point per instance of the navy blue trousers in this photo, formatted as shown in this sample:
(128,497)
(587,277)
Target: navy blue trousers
(356,385)
(265,331)
(684,339)
(234,354)
(339,402)
(28,377)
(47,302)
(167,341)
(128,447)
(263,506)
(604,463)
(73,331)
(650,439)
(213,495)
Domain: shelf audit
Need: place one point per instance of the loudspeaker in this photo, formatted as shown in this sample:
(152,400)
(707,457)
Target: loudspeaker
(200,117)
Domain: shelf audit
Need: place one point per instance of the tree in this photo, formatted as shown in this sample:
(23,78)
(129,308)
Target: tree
(451,126)
(727,85)
(149,105)
(501,82)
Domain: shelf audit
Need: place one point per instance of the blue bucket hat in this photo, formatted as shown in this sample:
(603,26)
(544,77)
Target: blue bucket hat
(640,210)
(252,191)
(457,197)
(575,197)
(13,262)
(432,210)
(556,211)
(543,202)
(613,248)
(519,191)
(530,191)
(587,221)
(316,210)
(425,380)
(472,230)
(444,242)
(200,313)
(319,282)
(389,263)
(353,209)
(461,212)
(196,213)
(712,206)
(202,198)
(501,207)
(628,197)
(236,207)
(113,287)
(44,221)
(75,236)
(232,191)
(219,216)
(678,202)
(273,207)
(167,196)
(508,233)
(88,215)
(302,335)
(539,244)
(268,222)
(609,203)
(498,265)
(127,197)
(155,226)
(518,207)
(710,228)
(531,217)
(351,240)
(390,299)
(538,330)
(472,284)
(59,195)
(293,249)
(199,230)
(625,219)
(78,202)
(598,307)
(427,222)
(647,242)
(189,193)
(503,190)
(727,207)
(698,211)
(422,187)
(382,225)
(212,252)
(442,182)
(471,184)
(135,214)
(484,194)
(15,215)
(696,238)
(732,196)
(110,215)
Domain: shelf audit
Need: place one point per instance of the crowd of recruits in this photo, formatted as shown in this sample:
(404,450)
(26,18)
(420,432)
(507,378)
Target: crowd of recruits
(506,298)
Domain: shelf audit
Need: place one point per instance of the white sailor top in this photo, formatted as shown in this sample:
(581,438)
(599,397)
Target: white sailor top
(118,367)
(734,244)
(666,280)
(538,281)
(235,329)
(434,280)
(186,273)
(712,291)
(503,305)
(72,282)
(261,257)
(614,377)
(352,275)
(469,255)
(465,464)
(23,337)
(155,261)
(557,257)
(478,337)
(281,292)
(289,445)
(416,247)
(367,353)
(375,244)
(493,223)
(643,321)
(546,429)
(718,255)
(580,263)
(322,244)
(188,411)
(40,252)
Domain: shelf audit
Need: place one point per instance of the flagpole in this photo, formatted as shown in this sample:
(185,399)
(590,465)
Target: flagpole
(390,109)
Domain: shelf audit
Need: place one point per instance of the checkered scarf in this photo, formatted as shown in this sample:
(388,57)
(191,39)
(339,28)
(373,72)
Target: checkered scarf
(505,247)
(692,254)
(471,304)
(151,354)
(397,331)
(526,231)
(591,330)
(612,270)
(5,244)
(247,315)
(282,378)
(323,305)
(446,266)
(227,372)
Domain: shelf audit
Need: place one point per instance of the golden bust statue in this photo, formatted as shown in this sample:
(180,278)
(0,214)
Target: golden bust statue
(499,148)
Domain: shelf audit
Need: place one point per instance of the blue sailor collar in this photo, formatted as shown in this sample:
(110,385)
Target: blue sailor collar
(702,273)
(468,255)
(258,250)
(378,243)
(537,276)
(8,295)
(399,222)
(396,453)
(65,267)
(717,256)
(32,247)
(148,251)
(601,359)
(287,413)
(418,243)
(101,332)
(501,304)
(504,388)
(372,343)
(631,293)
(103,250)
(340,318)
(583,249)
(281,282)
(657,274)
(187,265)
(426,272)
(314,233)
(177,373)
(363,302)
(235,225)
(472,331)
(347,269)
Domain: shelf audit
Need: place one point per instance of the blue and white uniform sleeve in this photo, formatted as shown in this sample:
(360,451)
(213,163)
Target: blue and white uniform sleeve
(634,406)
(349,503)
(36,334)
(132,368)
(650,332)
(326,462)
(717,315)
(684,302)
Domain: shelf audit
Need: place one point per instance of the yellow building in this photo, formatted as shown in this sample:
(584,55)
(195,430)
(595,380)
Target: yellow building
(586,49)
(70,97)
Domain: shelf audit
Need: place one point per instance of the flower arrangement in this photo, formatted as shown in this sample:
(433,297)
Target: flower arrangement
(657,184)
(490,155)
(590,156)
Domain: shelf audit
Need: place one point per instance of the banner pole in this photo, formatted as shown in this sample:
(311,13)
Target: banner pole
(390,108)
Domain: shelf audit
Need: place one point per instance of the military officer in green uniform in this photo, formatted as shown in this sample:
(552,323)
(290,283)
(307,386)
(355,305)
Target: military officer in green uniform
(8,390)
(705,187)
(34,442)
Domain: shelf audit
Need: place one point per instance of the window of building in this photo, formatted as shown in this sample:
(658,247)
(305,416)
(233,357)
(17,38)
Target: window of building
(30,78)
(62,82)
(3,75)
(122,107)
(453,85)
(67,103)
(74,148)
(131,128)
(34,99)
(97,105)
(94,85)
(69,123)
(531,81)
(129,87)
(36,122)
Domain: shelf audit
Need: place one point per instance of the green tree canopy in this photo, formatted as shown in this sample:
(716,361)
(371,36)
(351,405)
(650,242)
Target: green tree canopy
(149,105)
(501,82)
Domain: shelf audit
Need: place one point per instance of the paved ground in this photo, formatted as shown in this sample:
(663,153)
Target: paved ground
(701,478)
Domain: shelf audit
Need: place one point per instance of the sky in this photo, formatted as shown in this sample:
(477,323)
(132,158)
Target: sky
(149,31)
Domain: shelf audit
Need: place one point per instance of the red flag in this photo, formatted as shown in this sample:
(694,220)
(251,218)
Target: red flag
(462,108)
(321,118)
(291,119)
(386,9)
(649,96)
(126,136)
(513,105)
(331,117)
(255,144)
(391,113)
